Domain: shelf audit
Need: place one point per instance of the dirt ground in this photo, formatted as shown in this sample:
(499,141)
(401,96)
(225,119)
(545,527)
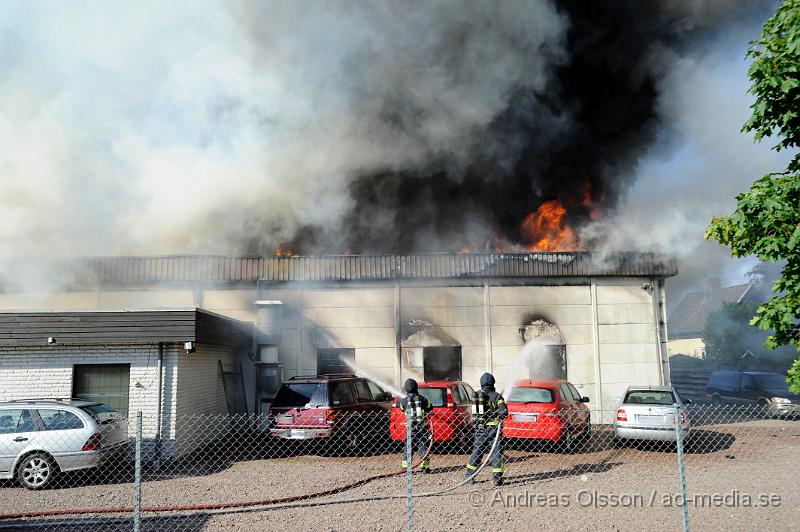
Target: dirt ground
(740,475)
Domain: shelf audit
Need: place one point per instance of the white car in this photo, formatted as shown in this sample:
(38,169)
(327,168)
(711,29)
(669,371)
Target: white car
(648,413)
(40,438)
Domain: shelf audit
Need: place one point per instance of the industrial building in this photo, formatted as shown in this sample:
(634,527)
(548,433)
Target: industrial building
(424,316)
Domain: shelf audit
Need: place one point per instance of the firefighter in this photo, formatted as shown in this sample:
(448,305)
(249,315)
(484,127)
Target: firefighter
(488,412)
(417,407)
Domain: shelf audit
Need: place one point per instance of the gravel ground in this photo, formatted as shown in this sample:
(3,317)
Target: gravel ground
(601,487)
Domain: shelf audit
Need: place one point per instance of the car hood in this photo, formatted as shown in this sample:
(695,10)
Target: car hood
(781,392)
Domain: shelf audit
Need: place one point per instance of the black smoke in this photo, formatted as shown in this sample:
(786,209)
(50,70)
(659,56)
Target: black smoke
(580,132)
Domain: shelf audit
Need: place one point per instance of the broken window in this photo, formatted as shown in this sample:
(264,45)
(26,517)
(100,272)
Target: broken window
(441,363)
(332,361)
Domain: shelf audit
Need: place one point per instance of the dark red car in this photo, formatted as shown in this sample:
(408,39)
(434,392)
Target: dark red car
(451,417)
(344,410)
(550,410)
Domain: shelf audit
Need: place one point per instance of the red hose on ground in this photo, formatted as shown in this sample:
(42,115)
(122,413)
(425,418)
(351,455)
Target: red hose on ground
(217,506)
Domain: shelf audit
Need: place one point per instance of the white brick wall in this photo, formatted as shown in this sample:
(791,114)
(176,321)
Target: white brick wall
(191,384)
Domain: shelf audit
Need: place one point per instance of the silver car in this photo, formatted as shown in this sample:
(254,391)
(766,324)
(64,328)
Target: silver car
(648,413)
(40,438)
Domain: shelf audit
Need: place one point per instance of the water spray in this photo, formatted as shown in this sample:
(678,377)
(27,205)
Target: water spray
(369,376)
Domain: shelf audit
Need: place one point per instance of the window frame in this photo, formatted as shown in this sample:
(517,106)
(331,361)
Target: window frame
(37,424)
(43,426)
(332,386)
(323,352)
(75,393)
(358,397)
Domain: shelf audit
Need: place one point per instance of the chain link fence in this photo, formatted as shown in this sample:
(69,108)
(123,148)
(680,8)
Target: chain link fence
(344,470)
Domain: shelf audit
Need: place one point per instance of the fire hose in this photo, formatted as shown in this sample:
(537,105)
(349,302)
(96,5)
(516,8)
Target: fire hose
(268,504)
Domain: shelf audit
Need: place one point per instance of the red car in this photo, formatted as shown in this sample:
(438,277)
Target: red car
(344,410)
(452,412)
(550,410)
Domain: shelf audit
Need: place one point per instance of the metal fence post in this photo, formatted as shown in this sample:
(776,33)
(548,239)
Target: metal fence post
(409,491)
(681,468)
(137,497)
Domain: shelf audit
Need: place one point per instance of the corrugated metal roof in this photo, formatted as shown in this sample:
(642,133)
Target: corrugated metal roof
(373,267)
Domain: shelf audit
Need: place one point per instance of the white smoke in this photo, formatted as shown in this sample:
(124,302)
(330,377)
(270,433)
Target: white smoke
(699,163)
(167,128)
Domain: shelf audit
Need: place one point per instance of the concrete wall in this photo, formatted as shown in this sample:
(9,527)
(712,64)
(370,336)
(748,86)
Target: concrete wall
(609,323)
(609,328)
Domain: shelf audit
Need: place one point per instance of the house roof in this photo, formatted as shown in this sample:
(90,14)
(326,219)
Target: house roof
(689,317)
(123,327)
(184,268)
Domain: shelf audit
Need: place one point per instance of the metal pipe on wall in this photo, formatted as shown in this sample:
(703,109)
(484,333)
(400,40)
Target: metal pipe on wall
(598,385)
(655,297)
(157,457)
(487,321)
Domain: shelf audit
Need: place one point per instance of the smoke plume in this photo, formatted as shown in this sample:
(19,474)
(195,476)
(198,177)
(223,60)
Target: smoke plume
(331,127)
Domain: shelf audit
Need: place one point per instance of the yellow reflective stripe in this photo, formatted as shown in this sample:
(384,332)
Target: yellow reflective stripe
(498,470)
(403,464)
(472,467)
(493,423)
(425,464)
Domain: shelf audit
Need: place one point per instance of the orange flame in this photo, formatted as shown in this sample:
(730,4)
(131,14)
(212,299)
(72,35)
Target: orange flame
(545,230)
(283,252)
(594,212)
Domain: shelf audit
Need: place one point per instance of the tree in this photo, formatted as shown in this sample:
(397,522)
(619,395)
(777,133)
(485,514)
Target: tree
(727,335)
(766,222)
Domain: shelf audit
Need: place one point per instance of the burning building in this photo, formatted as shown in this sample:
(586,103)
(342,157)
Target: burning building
(428,316)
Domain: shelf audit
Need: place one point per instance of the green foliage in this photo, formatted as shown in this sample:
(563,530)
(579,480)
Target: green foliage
(766,221)
(793,377)
(775,74)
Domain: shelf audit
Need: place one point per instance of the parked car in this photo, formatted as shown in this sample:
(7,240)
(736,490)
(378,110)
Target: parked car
(41,438)
(648,413)
(451,419)
(550,410)
(761,388)
(343,410)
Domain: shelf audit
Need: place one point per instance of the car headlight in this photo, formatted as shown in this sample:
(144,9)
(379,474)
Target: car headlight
(781,400)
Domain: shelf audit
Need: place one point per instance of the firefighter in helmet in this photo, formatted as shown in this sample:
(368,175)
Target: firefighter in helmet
(417,407)
(488,412)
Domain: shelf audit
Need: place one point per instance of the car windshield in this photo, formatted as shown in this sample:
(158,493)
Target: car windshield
(102,413)
(301,394)
(649,397)
(530,395)
(437,396)
(771,381)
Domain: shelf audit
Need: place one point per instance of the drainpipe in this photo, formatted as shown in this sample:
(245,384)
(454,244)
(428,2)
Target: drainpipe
(157,457)
(398,346)
(487,322)
(598,376)
(655,297)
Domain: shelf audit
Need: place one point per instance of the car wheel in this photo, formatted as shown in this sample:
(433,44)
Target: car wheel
(36,471)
